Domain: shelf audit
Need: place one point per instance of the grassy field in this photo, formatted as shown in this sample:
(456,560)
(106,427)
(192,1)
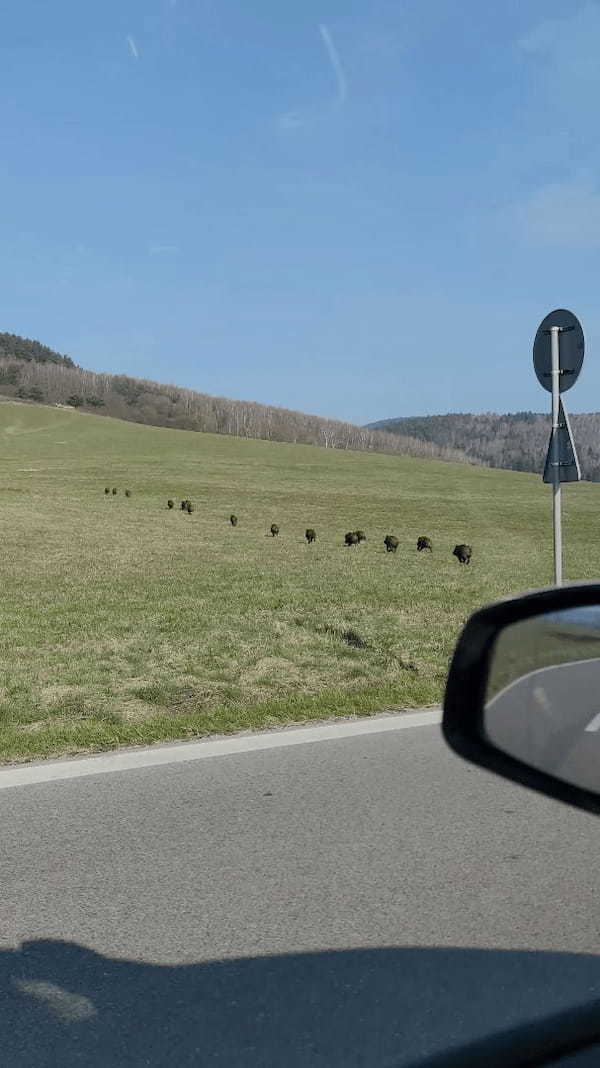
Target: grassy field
(123,622)
(536,643)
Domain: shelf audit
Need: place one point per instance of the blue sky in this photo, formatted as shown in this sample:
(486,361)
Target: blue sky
(360,209)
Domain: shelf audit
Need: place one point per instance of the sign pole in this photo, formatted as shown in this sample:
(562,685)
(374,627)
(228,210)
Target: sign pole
(558,352)
(556,495)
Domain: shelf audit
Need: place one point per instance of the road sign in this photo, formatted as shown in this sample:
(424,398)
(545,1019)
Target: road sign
(572,347)
(564,450)
(557,358)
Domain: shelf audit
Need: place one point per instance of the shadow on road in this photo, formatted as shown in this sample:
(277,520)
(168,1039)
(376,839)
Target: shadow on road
(63,1004)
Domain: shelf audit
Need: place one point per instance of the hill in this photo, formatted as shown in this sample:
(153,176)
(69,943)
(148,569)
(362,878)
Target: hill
(124,621)
(13,347)
(31,371)
(518,441)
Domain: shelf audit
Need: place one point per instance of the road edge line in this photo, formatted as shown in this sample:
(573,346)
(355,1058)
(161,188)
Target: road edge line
(201,749)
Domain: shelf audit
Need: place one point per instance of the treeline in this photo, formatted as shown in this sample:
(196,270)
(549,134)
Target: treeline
(23,348)
(518,441)
(33,372)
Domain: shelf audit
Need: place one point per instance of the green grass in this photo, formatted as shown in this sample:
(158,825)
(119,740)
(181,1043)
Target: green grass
(123,622)
(537,643)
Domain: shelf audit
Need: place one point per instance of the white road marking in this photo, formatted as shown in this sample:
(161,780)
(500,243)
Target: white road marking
(594,724)
(126,760)
(64,1005)
(541,697)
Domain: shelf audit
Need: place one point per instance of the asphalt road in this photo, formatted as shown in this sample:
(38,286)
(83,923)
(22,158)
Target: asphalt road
(354,901)
(551,718)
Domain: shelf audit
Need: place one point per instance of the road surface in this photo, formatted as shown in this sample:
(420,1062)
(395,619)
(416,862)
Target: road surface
(550,718)
(346,900)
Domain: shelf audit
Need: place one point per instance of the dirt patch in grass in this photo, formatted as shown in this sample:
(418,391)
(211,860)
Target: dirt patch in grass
(350,636)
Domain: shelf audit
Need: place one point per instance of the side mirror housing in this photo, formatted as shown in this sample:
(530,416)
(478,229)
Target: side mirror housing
(523,692)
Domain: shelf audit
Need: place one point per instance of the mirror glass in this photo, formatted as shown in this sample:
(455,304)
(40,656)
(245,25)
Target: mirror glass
(543,694)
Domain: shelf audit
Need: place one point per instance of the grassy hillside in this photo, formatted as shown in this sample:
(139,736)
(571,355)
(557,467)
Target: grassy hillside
(124,622)
(31,371)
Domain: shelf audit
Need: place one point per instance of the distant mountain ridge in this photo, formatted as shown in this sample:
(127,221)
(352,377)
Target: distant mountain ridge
(33,372)
(517,441)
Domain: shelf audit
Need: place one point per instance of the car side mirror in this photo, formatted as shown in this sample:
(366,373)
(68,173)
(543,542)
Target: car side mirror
(523,692)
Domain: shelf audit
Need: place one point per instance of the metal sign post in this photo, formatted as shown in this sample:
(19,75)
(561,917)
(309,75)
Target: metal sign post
(557,357)
(556,496)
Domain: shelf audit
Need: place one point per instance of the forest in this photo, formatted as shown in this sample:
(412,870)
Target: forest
(32,372)
(517,441)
